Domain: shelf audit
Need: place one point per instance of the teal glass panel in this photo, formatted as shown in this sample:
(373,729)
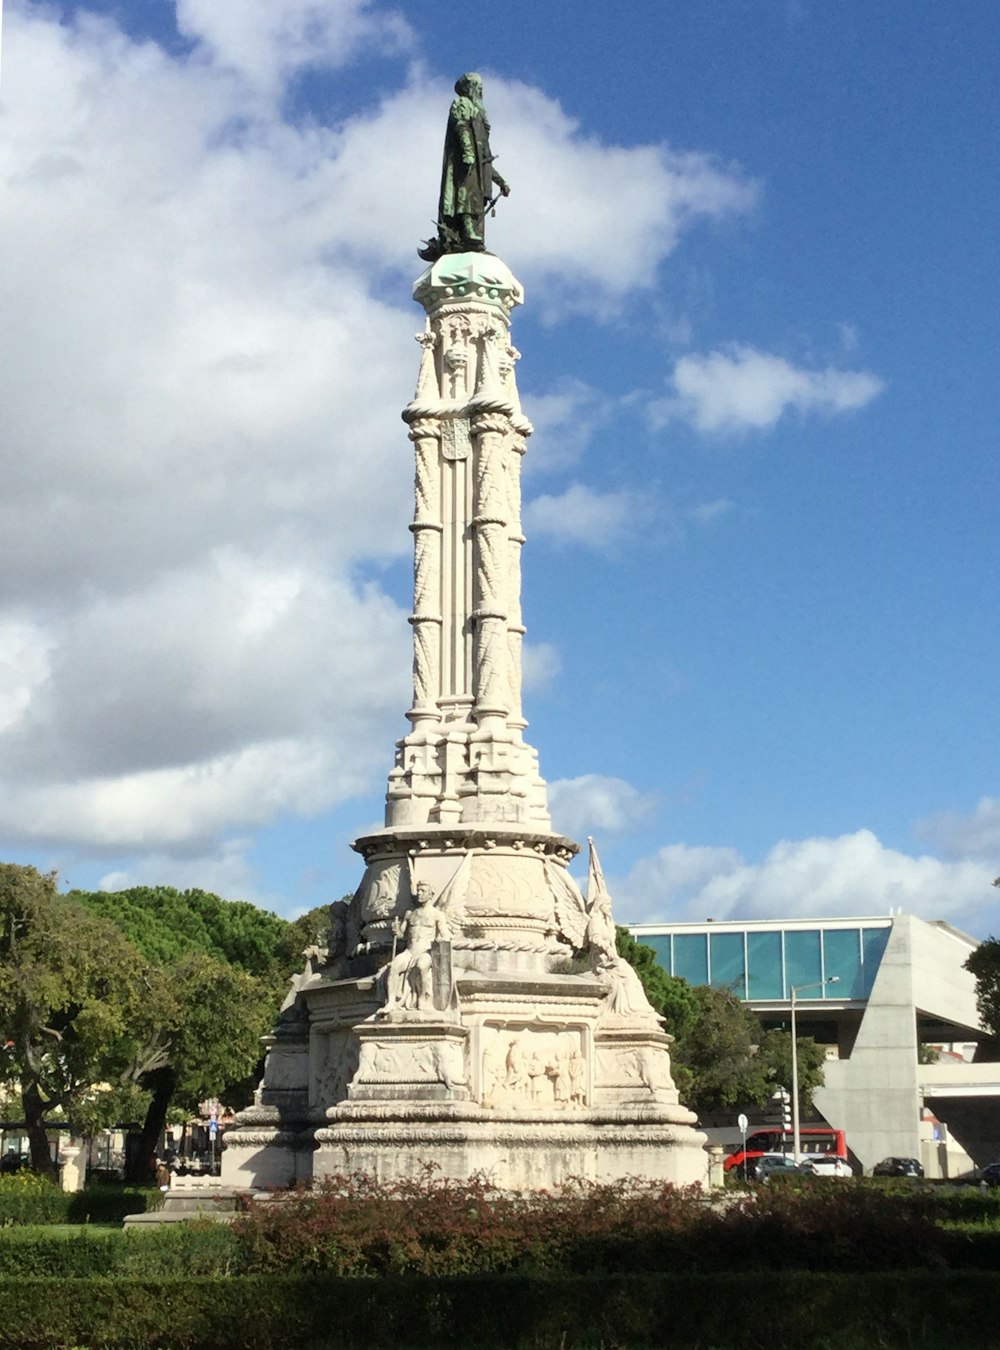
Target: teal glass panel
(660,943)
(802,959)
(842,957)
(873,941)
(764,965)
(728,965)
(691,957)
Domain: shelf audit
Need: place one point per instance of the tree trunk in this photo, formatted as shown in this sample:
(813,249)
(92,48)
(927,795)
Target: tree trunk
(38,1140)
(140,1166)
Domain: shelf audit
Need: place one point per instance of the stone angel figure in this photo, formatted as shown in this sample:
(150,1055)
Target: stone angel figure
(568,904)
(626,996)
(410,975)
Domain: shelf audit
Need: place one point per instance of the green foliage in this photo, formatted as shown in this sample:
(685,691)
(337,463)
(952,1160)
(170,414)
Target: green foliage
(838,1265)
(106,1106)
(984,963)
(722,1309)
(776,1058)
(28,1198)
(167,924)
(308,930)
(74,994)
(196,1247)
(673,998)
(720,1051)
(721,1057)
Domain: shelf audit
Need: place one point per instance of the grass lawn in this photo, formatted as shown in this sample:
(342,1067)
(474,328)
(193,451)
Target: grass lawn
(27,1231)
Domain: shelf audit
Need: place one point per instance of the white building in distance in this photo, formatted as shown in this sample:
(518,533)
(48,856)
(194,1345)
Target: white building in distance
(901,984)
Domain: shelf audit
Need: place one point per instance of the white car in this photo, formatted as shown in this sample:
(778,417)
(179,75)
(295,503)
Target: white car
(825,1165)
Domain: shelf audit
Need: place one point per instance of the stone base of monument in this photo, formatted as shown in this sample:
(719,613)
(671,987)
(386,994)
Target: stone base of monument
(528,1080)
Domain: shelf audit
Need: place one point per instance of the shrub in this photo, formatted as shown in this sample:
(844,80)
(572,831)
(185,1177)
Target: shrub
(28,1198)
(198,1247)
(355,1226)
(725,1311)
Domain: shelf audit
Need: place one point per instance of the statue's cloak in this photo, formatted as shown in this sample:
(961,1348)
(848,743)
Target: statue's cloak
(466,188)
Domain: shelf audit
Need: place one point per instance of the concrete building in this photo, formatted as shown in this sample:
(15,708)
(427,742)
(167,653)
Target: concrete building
(901,985)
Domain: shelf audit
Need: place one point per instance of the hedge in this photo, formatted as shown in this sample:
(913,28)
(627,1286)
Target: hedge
(27,1198)
(198,1247)
(724,1311)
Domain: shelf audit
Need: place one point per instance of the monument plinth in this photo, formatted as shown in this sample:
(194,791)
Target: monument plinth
(470,1009)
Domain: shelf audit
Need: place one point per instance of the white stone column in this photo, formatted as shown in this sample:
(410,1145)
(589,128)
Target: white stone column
(425,433)
(491,680)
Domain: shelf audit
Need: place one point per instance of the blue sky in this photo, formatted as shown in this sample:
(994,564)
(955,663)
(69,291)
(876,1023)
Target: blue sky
(759,348)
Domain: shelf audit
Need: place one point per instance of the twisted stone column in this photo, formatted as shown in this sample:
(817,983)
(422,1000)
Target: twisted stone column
(425,433)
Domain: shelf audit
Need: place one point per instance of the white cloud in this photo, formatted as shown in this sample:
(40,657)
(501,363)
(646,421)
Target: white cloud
(197,383)
(851,875)
(540,664)
(225,872)
(615,212)
(742,388)
(579,515)
(975,836)
(595,804)
(565,419)
(266,41)
(707,512)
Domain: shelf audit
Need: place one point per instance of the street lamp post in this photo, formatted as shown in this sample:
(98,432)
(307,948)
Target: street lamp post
(796,989)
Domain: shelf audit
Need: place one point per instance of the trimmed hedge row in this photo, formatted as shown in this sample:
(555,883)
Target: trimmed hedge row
(199,1247)
(720,1310)
(28,1199)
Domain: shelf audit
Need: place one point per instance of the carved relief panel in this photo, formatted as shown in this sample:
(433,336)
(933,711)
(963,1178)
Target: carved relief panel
(527,1068)
(641,1068)
(402,1063)
(335,1057)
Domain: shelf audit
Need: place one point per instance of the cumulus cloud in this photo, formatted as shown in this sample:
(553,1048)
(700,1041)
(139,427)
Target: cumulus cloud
(580,515)
(616,211)
(596,804)
(854,874)
(225,871)
(974,836)
(266,41)
(742,388)
(565,418)
(196,365)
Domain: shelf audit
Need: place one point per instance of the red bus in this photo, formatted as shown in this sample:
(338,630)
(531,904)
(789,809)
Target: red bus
(813,1139)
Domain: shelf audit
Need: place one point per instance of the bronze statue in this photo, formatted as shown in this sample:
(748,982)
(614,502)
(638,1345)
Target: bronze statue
(467,176)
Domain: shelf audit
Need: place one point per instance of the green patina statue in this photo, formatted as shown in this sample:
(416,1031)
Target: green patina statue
(467,176)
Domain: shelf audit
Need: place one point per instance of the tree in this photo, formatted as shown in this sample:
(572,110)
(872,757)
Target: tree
(673,998)
(219,969)
(721,1055)
(164,923)
(73,993)
(207,1042)
(984,963)
(776,1056)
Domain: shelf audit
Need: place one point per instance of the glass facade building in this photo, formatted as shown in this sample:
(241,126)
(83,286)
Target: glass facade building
(760,963)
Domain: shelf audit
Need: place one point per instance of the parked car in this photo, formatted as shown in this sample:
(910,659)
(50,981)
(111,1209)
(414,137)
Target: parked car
(825,1165)
(898,1167)
(770,1165)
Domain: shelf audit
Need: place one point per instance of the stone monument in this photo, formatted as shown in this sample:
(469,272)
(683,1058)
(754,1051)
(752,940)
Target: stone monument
(470,1009)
